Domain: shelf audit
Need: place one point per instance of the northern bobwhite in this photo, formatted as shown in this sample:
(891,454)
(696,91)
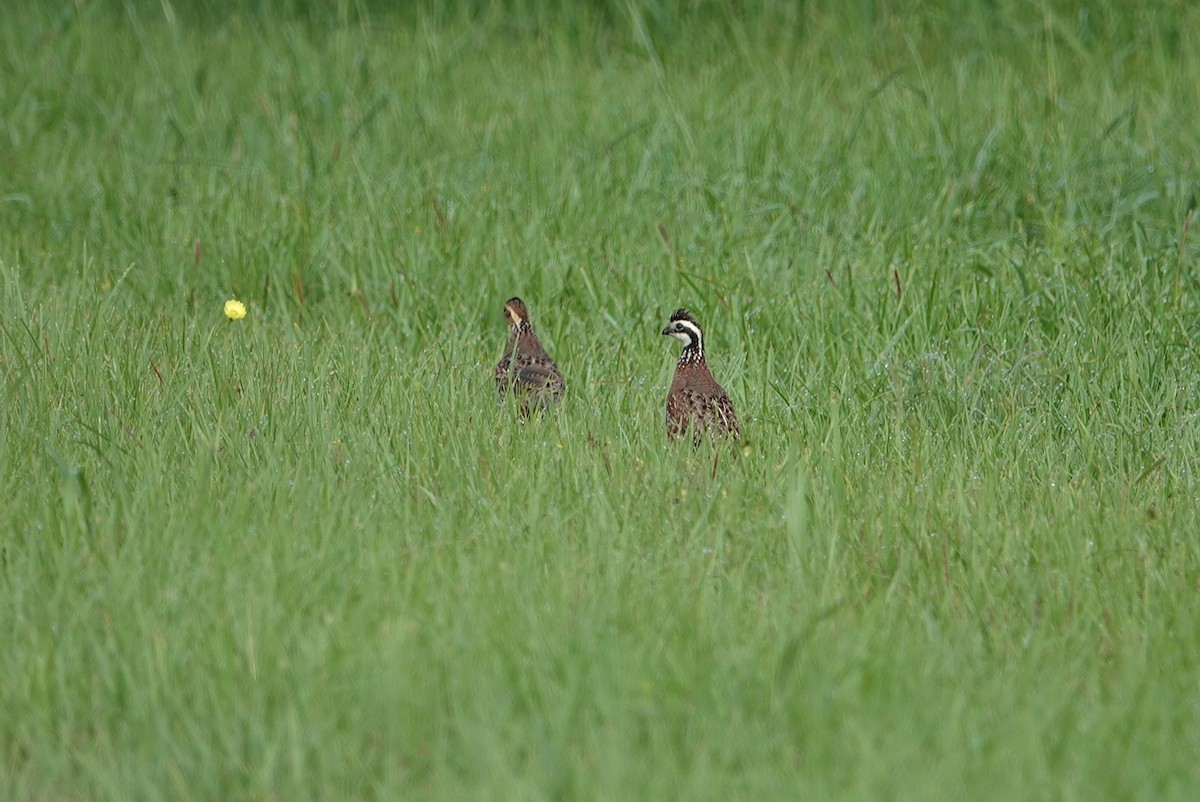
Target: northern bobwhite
(696,401)
(526,369)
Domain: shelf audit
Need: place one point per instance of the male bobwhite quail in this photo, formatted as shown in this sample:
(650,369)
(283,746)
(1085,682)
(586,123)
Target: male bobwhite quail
(696,401)
(526,368)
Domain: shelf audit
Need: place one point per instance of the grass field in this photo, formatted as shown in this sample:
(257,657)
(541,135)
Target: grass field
(941,251)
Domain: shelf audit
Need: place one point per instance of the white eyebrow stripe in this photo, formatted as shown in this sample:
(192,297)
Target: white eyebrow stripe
(693,328)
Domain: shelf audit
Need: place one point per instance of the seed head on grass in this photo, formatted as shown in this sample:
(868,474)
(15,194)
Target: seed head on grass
(235,309)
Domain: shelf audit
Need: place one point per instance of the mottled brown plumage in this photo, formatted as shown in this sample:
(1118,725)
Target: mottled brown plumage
(695,401)
(526,369)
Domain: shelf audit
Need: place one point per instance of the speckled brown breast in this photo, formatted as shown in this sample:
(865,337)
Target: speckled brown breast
(696,402)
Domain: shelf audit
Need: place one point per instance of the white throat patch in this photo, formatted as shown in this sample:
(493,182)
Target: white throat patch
(690,334)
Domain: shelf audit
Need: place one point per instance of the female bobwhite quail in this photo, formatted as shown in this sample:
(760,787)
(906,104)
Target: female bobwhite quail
(526,368)
(695,400)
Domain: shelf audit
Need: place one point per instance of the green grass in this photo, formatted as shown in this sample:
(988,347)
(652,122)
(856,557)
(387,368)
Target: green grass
(942,256)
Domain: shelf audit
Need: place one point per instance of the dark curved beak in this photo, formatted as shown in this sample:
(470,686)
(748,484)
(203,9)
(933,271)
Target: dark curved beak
(667,330)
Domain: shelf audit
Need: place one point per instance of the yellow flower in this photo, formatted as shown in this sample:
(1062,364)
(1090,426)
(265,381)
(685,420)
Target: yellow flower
(235,310)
